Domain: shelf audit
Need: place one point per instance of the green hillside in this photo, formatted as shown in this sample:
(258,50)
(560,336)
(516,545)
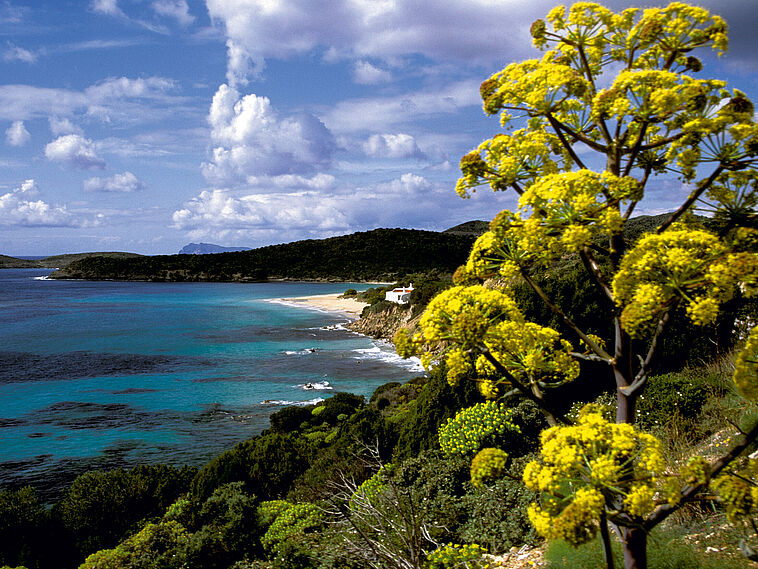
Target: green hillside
(381,254)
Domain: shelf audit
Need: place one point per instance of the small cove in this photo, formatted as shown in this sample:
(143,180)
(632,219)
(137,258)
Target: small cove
(114,374)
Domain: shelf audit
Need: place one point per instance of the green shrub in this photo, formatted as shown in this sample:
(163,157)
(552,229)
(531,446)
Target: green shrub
(436,402)
(340,404)
(156,546)
(101,508)
(678,395)
(290,525)
(22,523)
(482,425)
(290,419)
(496,515)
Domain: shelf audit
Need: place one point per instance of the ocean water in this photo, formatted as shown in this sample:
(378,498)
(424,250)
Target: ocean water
(113,374)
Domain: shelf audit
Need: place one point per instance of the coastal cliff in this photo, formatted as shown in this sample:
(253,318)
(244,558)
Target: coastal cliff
(384,322)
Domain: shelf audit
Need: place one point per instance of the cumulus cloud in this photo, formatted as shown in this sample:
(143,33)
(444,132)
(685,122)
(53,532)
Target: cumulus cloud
(299,209)
(392,146)
(252,139)
(76,151)
(17,135)
(176,9)
(463,30)
(19,208)
(15,53)
(365,73)
(219,210)
(123,183)
(63,125)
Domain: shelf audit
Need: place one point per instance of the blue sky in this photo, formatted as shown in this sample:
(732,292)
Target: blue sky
(142,125)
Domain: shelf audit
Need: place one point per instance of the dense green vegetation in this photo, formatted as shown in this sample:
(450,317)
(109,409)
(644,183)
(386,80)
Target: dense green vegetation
(57,261)
(378,255)
(310,464)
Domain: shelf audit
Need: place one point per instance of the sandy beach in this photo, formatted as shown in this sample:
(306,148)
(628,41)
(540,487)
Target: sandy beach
(330,302)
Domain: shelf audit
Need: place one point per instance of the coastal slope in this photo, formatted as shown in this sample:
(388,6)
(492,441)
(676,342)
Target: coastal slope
(378,255)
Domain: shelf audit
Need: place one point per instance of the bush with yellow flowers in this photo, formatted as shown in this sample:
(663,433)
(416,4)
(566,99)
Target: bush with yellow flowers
(586,466)
(489,464)
(477,426)
(456,556)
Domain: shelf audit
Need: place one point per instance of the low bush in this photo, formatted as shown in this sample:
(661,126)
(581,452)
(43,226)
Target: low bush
(496,514)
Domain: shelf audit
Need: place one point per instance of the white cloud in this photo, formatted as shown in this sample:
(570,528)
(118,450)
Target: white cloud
(466,30)
(300,208)
(18,208)
(218,209)
(74,150)
(365,73)
(176,9)
(392,146)
(63,125)
(124,182)
(252,140)
(379,113)
(123,87)
(108,7)
(17,135)
(118,99)
(15,53)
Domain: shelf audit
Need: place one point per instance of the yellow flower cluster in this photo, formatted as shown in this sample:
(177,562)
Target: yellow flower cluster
(476,426)
(746,367)
(580,464)
(469,321)
(370,489)
(739,492)
(734,195)
(531,353)
(518,158)
(488,464)
(577,523)
(680,265)
(562,212)
(456,556)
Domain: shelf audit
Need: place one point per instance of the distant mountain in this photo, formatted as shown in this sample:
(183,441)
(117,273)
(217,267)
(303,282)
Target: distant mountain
(475,228)
(206,248)
(378,255)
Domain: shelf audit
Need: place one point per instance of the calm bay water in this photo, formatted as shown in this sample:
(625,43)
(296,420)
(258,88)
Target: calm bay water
(107,374)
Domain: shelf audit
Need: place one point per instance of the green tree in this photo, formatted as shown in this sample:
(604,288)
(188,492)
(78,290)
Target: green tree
(611,104)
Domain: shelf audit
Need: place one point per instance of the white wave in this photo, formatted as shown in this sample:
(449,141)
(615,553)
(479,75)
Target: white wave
(386,353)
(286,403)
(42,278)
(316,385)
(302,352)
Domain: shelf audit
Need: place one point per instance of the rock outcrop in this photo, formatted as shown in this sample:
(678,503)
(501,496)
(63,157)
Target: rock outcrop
(385,322)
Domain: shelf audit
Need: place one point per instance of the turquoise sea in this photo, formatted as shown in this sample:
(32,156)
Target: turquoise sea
(114,374)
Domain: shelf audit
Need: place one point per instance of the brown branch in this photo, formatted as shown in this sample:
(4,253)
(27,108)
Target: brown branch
(693,197)
(566,320)
(594,270)
(641,378)
(588,73)
(635,151)
(577,135)
(665,510)
(557,128)
(552,417)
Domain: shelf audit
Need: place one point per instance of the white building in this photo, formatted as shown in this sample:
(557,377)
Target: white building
(400,295)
